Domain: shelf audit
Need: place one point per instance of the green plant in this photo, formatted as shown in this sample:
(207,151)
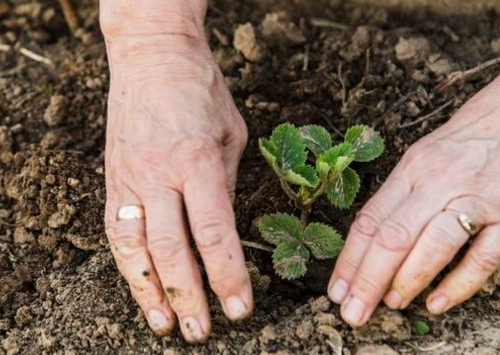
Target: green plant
(306,157)
(421,327)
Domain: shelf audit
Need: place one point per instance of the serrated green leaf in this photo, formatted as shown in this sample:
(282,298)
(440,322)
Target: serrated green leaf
(338,157)
(421,327)
(268,150)
(366,142)
(303,175)
(323,241)
(290,147)
(280,227)
(343,190)
(317,139)
(289,260)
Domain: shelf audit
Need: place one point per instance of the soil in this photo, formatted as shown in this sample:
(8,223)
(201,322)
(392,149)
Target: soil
(297,61)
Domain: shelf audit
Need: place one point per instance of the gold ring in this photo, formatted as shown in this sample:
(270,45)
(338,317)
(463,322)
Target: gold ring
(467,224)
(128,212)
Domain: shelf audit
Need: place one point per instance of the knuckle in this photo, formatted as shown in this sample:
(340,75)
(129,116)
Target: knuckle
(210,233)
(443,239)
(366,285)
(228,283)
(394,236)
(484,260)
(165,249)
(366,223)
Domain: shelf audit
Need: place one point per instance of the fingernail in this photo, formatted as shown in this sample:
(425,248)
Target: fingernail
(158,320)
(393,299)
(438,304)
(192,330)
(338,291)
(235,308)
(354,311)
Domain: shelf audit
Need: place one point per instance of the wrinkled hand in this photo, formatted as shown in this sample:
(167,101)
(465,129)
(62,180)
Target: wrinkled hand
(409,231)
(174,141)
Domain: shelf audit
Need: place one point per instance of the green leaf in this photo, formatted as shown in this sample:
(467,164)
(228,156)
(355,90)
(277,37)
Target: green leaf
(290,149)
(280,227)
(338,157)
(421,327)
(366,142)
(343,190)
(289,260)
(268,150)
(323,241)
(323,169)
(303,175)
(317,139)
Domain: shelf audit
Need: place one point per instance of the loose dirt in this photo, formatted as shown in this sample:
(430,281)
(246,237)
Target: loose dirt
(284,61)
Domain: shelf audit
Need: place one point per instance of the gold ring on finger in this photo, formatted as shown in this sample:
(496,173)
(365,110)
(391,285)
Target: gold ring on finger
(470,227)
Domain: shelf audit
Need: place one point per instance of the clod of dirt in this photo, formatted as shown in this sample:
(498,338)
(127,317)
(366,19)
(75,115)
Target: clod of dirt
(439,65)
(54,113)
(413,50)
(245,41)
(385,324)
(278,29)
(376,350)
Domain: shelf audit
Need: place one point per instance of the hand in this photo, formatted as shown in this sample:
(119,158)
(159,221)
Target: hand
(174,141)
(409,231)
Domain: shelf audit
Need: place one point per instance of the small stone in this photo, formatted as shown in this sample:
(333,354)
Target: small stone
(23,236)
(245,41)
(376,350)
(323,318)
(54,113)
(115,331)
(413,50)
(267,334)
(438,65)
(23,315)
(4,324)
(277,27)
(320,304)
(249,346)
(73,182)
(305,329)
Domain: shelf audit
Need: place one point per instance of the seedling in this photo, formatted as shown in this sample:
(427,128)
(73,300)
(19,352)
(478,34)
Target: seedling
(309,166)
(421,327)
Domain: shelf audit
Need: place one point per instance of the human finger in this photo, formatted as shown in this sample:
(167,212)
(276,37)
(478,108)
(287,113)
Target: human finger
(213,225)
(481,260)
(362,232)
(394,240)
(128,244)
(436,247)
(168,244)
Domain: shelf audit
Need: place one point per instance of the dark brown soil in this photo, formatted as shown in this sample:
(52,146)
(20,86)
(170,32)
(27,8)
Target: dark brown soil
(60,292)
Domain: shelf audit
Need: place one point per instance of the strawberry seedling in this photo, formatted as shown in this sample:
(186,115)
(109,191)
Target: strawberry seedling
(309,166)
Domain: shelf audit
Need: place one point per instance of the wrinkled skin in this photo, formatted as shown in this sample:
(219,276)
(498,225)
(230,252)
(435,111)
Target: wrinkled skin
(409,231)
(174,141)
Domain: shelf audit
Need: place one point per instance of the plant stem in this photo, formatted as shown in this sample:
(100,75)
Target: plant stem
(303,216)
(290,193)
(254,245)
